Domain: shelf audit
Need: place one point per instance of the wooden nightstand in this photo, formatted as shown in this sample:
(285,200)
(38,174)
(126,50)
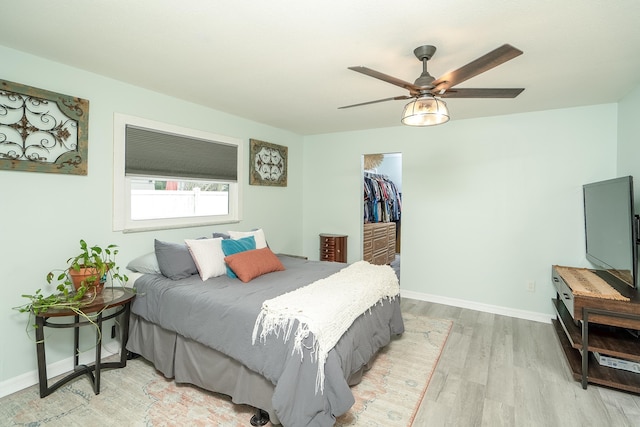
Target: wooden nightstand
(117,298)
(333,247)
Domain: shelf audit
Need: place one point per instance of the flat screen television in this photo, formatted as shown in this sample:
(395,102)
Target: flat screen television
(610,228)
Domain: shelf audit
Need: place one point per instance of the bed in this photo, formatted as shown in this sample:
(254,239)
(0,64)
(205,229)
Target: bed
(207,333)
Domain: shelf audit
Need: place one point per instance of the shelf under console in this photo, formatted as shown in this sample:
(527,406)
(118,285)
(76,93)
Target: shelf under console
(601,326)
(596,374)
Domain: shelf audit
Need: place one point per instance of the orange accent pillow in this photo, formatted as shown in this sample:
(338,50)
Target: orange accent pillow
(253,263)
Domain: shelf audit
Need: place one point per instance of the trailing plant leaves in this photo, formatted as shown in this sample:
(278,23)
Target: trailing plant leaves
(103,260)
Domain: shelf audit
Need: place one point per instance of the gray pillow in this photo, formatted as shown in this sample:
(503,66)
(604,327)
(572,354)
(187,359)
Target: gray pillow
(146,263)
(224,236)
(174,260)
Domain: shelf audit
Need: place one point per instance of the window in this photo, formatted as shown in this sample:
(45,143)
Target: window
(170,177)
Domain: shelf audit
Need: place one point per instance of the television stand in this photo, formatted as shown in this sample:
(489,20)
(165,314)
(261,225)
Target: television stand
(598,325)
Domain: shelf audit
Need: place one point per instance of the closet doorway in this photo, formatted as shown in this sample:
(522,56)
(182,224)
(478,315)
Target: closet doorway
(382,208)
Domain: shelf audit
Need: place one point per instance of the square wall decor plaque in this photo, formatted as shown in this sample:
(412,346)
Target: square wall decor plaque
(42,131)
(267,163)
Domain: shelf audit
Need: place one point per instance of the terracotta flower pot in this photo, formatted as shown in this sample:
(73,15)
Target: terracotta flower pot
(94,284)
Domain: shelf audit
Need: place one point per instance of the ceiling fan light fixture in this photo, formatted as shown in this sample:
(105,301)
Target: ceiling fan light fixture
(425,110)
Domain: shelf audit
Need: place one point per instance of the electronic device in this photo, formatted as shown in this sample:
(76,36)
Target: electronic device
(615,362)
(611,227)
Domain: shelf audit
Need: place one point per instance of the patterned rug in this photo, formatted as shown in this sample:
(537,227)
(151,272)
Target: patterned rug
(389,394)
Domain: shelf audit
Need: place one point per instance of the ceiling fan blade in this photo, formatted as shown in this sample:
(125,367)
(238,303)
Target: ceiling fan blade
(395,98)
(386,78)
(479,93)
(486,62)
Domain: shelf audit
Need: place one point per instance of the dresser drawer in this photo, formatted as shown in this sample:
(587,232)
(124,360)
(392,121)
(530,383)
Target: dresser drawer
(327,241)
(326,257)
(380,258)
(564,291)
(380,232)
(380,243)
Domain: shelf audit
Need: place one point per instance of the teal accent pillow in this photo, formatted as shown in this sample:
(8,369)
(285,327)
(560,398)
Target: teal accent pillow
(231,246)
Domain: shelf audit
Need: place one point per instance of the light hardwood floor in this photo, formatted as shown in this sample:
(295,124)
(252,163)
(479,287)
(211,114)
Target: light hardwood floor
(502,371)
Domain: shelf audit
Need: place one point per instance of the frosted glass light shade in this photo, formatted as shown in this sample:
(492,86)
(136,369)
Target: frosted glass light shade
(425,111)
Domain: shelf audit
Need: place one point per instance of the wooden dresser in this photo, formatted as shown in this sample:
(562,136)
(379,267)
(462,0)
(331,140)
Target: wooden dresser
(333,247)
(379,242)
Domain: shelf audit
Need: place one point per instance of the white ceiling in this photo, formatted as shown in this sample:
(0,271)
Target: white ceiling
(284,62)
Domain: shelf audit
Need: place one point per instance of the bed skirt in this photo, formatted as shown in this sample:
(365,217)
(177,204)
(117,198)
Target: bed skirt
(191,362)
(187,361)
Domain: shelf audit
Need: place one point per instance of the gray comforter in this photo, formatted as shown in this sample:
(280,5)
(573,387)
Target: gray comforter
(221,312)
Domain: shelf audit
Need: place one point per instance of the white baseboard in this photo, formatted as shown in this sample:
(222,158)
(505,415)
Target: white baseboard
(28,379)
(487,308)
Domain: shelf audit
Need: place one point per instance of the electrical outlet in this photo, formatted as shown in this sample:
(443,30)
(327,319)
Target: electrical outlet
(531,286)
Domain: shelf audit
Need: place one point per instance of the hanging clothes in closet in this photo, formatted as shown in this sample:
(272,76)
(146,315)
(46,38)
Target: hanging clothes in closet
(382,200)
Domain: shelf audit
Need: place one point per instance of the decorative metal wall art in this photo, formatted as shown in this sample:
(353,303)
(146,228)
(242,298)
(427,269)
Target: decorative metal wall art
(268,163)
(42,131)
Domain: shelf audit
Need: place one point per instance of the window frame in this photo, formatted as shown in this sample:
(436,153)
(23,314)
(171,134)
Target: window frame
(122,184)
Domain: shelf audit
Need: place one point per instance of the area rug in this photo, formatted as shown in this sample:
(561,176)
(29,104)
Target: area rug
(389,394)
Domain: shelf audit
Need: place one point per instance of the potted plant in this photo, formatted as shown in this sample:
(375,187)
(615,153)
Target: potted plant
(88,270)
(80,282)
(99,262)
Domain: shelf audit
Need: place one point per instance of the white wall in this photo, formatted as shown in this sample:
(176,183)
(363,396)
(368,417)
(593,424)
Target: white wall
(41,224)
(488,204)
(629,140)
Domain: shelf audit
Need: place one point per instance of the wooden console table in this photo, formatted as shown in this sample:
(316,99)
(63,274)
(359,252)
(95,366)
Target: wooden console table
(598,325)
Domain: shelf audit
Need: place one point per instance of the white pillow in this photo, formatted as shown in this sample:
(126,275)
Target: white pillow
(208,256)
(261,241)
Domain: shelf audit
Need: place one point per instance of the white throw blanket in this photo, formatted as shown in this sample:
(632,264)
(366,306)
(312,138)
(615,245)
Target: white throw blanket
(326,309)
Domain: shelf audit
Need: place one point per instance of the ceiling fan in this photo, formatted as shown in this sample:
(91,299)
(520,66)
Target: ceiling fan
(427,107)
